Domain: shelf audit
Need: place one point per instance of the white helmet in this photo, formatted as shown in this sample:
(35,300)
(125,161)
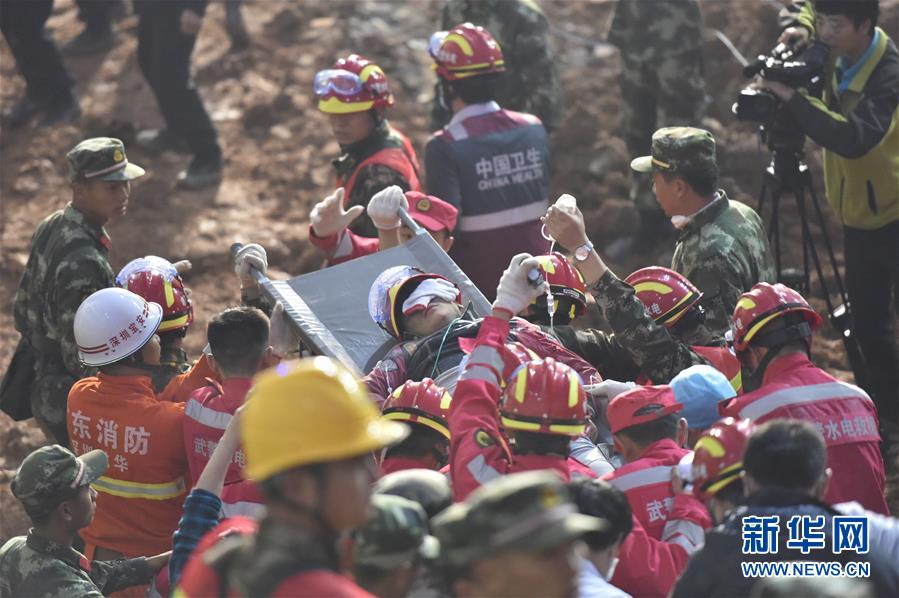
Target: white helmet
(112,324)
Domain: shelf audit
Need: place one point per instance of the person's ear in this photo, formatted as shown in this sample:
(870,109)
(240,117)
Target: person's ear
(214,366)
(682,432)
(268,359)
(823,483)
(749,484)
(65,510)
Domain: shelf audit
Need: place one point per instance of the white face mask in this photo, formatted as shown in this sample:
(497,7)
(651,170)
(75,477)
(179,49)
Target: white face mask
(679,221)
(611,570)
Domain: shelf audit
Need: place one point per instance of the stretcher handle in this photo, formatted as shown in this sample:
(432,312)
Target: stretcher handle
(408,221)
(257,274)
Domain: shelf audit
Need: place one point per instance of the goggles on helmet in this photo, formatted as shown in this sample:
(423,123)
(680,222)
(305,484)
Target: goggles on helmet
(338,81)
(435,42)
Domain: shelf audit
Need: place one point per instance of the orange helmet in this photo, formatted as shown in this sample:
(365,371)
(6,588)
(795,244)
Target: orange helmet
(353,84)
(464,51)
(544,396)
(157,281)
(564,281)
(422,403)
(763,303)
(666,294)
(718,456)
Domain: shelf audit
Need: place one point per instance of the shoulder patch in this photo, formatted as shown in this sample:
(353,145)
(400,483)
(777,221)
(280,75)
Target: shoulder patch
(483,438)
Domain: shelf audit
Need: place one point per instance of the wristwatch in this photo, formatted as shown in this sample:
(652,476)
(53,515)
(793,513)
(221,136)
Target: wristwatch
(583,252)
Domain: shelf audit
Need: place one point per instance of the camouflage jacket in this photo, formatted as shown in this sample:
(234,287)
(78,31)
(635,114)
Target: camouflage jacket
(34,566)
(648,30)
(723,250)
(172,362)
(531,81)
(638,346)
(373,177)
(76,251)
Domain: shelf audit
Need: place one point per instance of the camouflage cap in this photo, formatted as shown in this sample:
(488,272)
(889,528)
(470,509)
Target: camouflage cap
(427,487)
(396,532)
(52,473)
(101,159)
(676,149)
(529,511)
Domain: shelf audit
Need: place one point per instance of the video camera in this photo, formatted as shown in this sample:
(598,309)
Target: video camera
(794,67)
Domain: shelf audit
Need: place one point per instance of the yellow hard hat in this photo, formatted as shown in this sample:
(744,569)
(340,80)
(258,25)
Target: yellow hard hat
(311,411)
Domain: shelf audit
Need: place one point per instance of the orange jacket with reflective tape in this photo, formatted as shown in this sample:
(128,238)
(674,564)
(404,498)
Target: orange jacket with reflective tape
(141,494)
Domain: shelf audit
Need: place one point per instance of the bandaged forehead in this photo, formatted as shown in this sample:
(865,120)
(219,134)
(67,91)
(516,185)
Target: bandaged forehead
(427,291)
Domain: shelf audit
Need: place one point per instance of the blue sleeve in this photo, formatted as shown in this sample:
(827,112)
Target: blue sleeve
(442,173)
(201,514)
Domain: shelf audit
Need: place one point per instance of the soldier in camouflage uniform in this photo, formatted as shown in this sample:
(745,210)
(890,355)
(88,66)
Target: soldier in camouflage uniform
(68,262)
(661,71)
(722,246)
(391,549)
(514,536)
(531,82)
(54,487)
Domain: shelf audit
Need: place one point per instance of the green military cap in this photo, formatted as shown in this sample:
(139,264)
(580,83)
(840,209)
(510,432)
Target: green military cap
(529,511)
(396,533)
(52,473)
(101,159)
(427,487)
(676,149)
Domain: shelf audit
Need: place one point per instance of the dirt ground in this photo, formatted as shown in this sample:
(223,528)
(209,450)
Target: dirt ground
(278,147)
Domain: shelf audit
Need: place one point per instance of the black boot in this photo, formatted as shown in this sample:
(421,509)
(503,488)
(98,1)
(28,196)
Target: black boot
(202,172)
(19,114)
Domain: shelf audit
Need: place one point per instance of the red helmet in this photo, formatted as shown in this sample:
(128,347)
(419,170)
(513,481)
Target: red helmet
(514,356)
(353,84)
(465,51)
(157,281)
(666,294)
(765,302)
(544,396)
(422,403)
(564,281)
(718,456)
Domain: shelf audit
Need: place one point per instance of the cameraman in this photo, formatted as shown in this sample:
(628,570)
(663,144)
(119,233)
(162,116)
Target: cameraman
(855,122)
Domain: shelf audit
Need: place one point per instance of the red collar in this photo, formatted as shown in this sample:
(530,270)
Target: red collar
(781,365)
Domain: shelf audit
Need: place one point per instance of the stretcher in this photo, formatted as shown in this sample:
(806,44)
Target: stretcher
(329,308)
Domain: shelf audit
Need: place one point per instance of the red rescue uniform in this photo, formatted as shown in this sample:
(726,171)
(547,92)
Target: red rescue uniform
(647,484)
(794,388)
(478,450)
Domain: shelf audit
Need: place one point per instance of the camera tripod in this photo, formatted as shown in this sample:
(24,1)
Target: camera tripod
(788,173)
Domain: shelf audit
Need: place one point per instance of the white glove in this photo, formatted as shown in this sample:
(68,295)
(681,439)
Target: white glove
(383,209)
(567,202)
(281,336)
(251,255)
(514,292)
(608,389)
(328,216)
